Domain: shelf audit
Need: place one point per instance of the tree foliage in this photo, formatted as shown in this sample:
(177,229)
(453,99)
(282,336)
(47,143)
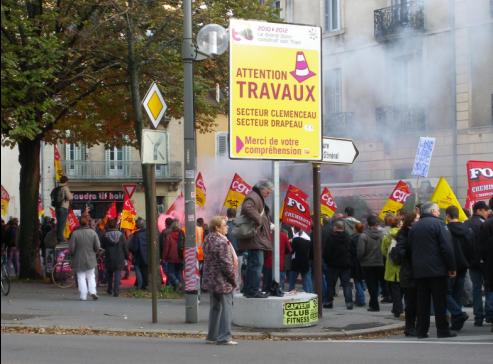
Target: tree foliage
(64,76)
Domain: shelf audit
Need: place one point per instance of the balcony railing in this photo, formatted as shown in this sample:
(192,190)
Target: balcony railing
(391,21)
(402,118)
(118,170)
(338,124)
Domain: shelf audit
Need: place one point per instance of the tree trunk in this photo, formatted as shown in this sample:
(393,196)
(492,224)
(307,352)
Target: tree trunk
(29,151)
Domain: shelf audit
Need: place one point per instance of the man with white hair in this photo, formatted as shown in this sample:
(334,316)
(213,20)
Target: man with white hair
(433,261)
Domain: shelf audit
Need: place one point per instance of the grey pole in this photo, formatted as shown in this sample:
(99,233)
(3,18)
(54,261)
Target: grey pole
(188,56)
(277,231)
(317,237)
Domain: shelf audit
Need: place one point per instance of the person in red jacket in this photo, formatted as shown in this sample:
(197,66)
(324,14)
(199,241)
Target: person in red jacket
(173,254)
(284,248)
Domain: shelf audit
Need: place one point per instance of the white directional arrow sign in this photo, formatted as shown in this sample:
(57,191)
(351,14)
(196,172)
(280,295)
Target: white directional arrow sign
(339,151)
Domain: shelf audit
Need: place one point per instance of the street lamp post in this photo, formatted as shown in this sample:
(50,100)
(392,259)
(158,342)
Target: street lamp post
(188,55)
(212,41)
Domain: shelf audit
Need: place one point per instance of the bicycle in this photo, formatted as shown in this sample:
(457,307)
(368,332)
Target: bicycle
(62,274)
(5,276)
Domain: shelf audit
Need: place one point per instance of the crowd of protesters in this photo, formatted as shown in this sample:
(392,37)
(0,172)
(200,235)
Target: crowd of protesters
(414,259)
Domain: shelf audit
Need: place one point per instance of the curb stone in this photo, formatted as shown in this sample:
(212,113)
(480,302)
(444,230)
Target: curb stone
(276,336)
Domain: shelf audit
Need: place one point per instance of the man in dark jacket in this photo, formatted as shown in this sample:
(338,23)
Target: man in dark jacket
(433,262)
(476,265)
(371,260)
(255,209)
(486,237)
(115,253)
(337,256)
(462,242)
(138,247)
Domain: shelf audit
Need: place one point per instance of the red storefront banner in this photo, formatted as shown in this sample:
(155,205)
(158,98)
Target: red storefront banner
(296,210)
(480,180)
(237,192)
(327,203)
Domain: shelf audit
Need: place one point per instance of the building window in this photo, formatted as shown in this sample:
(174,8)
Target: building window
(333,90)
(221,144)
(332,15)
(74,154)
(116,159)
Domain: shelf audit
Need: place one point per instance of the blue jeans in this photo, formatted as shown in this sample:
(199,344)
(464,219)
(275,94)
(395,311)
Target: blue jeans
(477,298)
(306,280)
(359,295)
(489,305)
(253,274)
(344,275)
(61,219)
(325,283)
(454,294)
(174,274)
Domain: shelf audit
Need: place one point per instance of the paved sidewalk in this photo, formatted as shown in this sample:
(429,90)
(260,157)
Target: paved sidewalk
(44,306)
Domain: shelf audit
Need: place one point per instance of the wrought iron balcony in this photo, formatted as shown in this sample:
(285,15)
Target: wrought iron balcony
(400,118)
(338,124)
(85,170)
(394,20)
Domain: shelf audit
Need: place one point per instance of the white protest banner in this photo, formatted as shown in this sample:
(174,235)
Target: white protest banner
(423,156)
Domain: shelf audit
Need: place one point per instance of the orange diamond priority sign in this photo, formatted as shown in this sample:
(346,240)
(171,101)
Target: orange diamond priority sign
(154,104)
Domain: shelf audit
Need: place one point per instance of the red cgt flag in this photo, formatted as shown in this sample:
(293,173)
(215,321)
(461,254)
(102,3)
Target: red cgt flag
(112,214)
(296,210)
(327,204)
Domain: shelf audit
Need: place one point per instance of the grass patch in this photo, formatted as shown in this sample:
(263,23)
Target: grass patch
(164,293)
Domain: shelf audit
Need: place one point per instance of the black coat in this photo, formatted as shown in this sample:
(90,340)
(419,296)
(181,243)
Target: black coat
(337,253)
(487,251)
(113,242)
(431,248)
(404,259)
(138,247)
(356,271)
(462,239)
(303,253)
(475,223)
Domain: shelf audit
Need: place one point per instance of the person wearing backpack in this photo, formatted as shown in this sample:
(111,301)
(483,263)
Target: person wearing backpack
(60,199)
(392,270)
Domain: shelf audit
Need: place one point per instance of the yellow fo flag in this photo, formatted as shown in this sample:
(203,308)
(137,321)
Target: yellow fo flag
(5,202)
(200,190)
(444,197)
(127,219)
(58,165)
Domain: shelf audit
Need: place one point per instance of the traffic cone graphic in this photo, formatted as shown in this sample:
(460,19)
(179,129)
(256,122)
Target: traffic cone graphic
(301,71)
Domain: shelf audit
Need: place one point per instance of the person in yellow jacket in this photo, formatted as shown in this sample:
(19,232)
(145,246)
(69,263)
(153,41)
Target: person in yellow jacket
(392,270)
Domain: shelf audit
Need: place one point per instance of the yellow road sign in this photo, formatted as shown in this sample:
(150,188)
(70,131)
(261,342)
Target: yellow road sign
(275,83)
(154,104)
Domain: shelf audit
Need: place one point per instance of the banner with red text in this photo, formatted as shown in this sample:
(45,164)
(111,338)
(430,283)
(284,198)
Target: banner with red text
(200,191)
(296,210)
(58,164)
(327,203)
(480,180)
(396,200)
(237,192)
